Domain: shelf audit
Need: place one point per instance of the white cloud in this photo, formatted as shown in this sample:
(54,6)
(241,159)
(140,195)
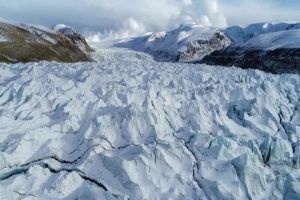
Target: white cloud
(140,16)
(129,28)
(243,12)
(187,2)
(125,18)
(114,18)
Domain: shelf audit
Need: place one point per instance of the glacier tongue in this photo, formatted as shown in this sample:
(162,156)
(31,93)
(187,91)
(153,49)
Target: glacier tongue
(127,127)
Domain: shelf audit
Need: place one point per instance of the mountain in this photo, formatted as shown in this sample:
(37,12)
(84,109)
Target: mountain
(25,43)
(74,36)
(186,44)
(272,47)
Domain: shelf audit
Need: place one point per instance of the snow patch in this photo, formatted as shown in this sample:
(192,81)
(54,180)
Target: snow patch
(275,40)
(3,39)
(59,27)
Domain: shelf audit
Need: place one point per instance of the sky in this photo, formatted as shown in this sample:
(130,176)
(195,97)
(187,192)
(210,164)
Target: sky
(100,19)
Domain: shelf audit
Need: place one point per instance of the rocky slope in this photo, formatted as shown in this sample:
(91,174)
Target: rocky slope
(281,60)
(23,43)
(127,127)
(273,48)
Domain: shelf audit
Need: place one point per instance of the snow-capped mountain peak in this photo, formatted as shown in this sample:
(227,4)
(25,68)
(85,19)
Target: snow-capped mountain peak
(272,47)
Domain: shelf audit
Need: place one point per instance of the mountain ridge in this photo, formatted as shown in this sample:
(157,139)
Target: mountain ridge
(254,46)
(27,43)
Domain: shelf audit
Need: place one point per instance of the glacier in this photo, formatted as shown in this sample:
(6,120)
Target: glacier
(128,127)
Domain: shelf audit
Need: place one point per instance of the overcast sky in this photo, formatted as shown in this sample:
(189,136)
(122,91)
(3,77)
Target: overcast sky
(122,18)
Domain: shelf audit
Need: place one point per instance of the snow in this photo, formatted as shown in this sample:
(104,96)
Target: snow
(172,42)
(59,27)
(188,43)
(66,30)
(241,34)
(127,127)
(73,35)
(178,39)
(191,43)
(43,28)
(41,31)
(266,36)
(275,40)
(3,39)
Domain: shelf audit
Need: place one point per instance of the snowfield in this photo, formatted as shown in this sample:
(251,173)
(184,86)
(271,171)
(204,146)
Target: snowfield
(275,40)
(127,127)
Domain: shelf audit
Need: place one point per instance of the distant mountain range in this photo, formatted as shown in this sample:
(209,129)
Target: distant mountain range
(271,47)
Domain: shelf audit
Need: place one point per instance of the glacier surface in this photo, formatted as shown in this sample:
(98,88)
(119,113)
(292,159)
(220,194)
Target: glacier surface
(127,127)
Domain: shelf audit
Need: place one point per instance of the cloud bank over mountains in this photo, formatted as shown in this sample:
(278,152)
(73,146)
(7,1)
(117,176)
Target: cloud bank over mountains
(124,18)
(114,18)
(147,16)
(242,12)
